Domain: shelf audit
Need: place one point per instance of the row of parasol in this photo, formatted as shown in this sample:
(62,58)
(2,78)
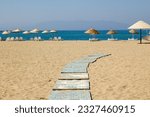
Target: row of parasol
(140,25)
(28,32)
(93,32)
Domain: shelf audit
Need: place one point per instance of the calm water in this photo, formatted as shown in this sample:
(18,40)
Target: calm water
(74,35)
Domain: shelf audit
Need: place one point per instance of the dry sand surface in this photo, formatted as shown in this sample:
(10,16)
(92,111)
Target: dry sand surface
(29,70)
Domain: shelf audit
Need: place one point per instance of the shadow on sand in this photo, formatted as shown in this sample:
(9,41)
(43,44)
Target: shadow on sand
(145,43)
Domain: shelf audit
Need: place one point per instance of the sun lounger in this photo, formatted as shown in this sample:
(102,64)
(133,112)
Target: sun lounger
(39,39)
(8,38)
(36,39)
(93,39)
(132,39)
(57,39)
(12,39)
(16,39)
(20,39)
(146,38)
(112,39)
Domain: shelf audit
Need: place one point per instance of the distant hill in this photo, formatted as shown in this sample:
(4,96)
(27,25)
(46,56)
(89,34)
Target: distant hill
(67,25)
(82,25)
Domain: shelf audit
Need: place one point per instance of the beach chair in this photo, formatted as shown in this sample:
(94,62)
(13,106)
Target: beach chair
(112,39)
(59,39)
(7,39)
(16,39)
(39,39)
(55,39)
(12,39)
(132,39)
(146,38)
(20,38)
(35,38)
(93,39)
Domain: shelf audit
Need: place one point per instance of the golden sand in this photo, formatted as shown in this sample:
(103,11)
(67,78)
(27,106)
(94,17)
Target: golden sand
(29,70)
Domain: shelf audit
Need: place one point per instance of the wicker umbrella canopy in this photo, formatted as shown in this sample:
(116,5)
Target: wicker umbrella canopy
(92,31)
(26,32)
(34,30)
(45,31)
(111,32)
(53,31)
(139,26)
(17,30)
(5,32)
(133,31)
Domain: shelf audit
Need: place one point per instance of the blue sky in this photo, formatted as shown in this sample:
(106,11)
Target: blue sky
(72,14)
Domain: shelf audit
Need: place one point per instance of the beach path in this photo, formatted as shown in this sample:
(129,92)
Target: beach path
(74,82)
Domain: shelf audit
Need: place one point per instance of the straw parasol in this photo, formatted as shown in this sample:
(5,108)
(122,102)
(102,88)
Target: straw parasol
(53,31)
(140,25)
(34,30)
(133,31)
(92,32)
(111,32)
(45,31)
(17,30)
(5,32)
(26,32)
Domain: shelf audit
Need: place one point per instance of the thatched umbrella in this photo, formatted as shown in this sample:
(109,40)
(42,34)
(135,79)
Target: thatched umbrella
(5,32)
(111,32)
(53,32)
(139,26)
(92,32)
(17,30)
(45,32)
(133,31)
(34,30)
(26,32)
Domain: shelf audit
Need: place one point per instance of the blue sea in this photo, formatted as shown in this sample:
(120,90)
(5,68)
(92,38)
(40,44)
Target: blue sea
(75,35)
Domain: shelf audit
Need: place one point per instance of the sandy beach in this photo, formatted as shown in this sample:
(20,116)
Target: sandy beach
(29,70)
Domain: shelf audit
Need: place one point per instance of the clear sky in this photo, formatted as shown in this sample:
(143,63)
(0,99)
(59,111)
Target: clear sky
(78,13)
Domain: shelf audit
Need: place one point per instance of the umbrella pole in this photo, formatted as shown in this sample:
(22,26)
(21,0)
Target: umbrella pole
(112,36)
(52,36)
(140,36)
(93,36)
(133,36)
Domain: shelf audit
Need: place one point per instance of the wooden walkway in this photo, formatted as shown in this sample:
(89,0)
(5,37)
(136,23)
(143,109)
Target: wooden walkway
(74,82)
